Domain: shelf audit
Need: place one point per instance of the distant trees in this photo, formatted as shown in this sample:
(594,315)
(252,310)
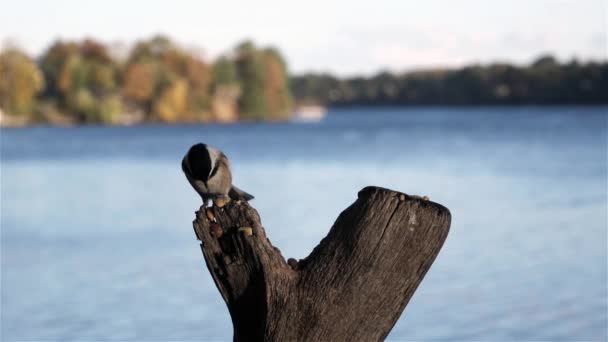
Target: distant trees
(81,82)
(545,81)
(158,81)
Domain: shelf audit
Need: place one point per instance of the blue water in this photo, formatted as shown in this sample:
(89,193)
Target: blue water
(97,242)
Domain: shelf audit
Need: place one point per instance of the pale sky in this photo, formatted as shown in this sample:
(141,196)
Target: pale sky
(343,37)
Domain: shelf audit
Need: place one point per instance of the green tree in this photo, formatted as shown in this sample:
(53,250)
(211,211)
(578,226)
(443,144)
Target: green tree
(252,76)
(265,92)
(224,72)
(82,77)
(53,65)
(151,50)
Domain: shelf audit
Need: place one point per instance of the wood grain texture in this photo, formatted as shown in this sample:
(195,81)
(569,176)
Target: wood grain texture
(352,287)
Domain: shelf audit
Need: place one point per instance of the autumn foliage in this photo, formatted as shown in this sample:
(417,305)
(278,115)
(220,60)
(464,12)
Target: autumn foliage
(20,82)
(158,81)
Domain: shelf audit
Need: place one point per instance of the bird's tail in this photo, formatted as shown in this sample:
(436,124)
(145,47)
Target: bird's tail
(238,194)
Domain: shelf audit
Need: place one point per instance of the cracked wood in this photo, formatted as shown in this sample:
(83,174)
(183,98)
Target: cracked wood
(352,287)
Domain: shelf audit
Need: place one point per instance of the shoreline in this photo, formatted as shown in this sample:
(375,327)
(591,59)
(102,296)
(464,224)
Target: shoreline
(12,122)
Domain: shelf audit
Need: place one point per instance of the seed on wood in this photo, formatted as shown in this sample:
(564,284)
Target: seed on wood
(222,201)
(402,197)
(426,198)
(246,230)
(216,230)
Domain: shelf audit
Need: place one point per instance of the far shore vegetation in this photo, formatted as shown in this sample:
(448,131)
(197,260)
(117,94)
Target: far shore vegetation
(159,81)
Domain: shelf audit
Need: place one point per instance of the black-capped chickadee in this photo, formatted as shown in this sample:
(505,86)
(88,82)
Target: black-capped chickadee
(208,171)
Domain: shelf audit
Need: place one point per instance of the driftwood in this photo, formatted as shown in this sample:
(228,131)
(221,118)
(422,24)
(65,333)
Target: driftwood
(352,287)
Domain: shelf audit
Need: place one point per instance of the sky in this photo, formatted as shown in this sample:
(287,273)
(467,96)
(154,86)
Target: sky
(343,37)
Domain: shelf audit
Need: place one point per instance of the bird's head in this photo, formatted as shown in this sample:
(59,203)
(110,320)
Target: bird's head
(199,162)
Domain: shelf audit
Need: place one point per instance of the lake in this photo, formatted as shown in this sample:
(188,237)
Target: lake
(97,240)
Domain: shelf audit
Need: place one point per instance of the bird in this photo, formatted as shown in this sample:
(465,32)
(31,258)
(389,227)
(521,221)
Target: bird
(208,171)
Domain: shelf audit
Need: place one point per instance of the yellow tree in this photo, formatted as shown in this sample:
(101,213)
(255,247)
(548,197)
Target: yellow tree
(172,104)
(198,74)
(165,81)
(276,88)
(20,82)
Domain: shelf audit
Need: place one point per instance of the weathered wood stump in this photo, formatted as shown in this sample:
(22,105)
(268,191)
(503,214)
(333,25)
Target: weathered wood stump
(352,287)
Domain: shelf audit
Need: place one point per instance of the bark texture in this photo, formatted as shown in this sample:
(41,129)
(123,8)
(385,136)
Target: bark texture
(352,287)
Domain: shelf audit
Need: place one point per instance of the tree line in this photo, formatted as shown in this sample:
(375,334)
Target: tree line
(158,81)
(546,81)
(81,82)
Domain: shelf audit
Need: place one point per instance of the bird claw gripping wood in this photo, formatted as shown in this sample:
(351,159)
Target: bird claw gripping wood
(210,212)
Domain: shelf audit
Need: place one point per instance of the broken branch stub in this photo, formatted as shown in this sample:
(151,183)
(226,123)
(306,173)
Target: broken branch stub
(352,287)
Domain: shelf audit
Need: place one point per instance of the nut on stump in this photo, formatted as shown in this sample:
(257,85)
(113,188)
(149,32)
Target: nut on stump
(221,202)
(246,230)
(216,230)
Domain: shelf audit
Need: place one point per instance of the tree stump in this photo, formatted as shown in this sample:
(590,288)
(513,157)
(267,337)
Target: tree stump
(352,287)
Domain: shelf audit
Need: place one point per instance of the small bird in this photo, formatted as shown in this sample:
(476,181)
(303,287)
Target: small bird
(208,171)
